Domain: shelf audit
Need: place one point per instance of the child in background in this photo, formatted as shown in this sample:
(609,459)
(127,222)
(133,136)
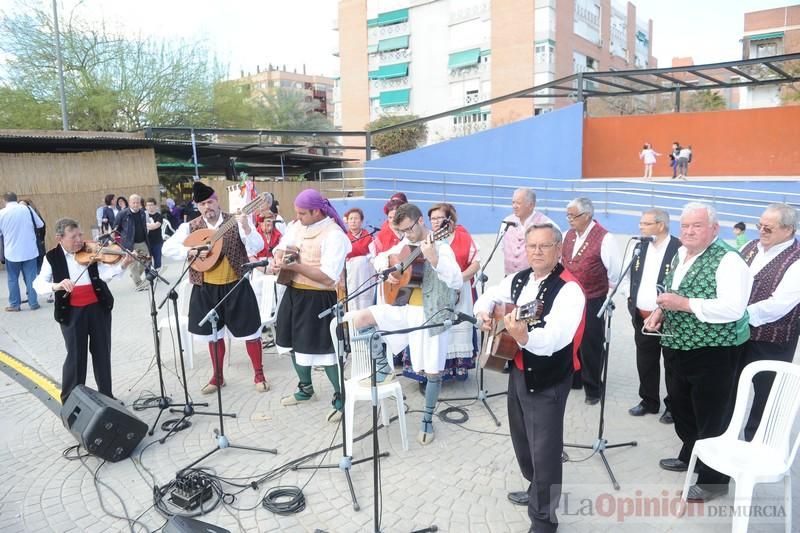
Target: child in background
(648,156)
(738,230)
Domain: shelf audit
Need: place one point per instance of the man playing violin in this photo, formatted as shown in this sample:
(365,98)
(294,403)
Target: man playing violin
(83,306)
(440,280)
(541,373)
(239,313)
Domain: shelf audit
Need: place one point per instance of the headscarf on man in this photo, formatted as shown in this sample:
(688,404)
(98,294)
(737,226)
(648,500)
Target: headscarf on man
(312,199)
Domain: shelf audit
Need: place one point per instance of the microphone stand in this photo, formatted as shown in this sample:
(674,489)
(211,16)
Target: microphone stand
(346,462)
(601,443)
(188,405)
(222,440)
(482,278)
(164,401)
(376,483)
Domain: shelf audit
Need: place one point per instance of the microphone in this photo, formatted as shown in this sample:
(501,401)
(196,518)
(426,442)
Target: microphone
(643,238)
(461,317)
(107,236)
(509,223)
(372,229)
(201,247)
(397,268)
(255,264)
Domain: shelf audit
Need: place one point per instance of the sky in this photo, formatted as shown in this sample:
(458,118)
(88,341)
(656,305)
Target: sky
(248,33)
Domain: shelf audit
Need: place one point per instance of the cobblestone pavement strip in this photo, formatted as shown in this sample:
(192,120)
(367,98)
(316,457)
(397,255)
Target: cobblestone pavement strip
(459,482)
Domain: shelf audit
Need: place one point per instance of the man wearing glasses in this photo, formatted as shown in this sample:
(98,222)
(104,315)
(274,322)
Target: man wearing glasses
(651,262)
(591,255)
(431,303)
(774,306)
(541,373)
(704,323)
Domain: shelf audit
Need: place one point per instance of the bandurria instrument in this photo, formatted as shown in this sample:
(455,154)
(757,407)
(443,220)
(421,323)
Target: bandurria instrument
(211,239)
(412,270)
(499,346)
(290,255)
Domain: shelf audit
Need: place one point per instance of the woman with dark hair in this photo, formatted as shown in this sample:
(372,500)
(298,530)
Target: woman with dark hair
(107,214)
(358,266)
(279,222)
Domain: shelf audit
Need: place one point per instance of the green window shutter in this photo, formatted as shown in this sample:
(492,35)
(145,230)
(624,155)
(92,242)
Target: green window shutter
(386,72)
(392,98)
(766,36)
(372,23)
(392,17)
(395,43)
(467,58)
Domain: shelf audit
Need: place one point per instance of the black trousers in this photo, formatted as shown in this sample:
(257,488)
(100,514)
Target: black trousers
(536,422)
(648,366)
(591,350)
(762,383)
(87,328)
(701,389)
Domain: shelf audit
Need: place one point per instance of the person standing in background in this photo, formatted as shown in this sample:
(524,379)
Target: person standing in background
(739,230)
(18,226)
(648,157)
(155,237)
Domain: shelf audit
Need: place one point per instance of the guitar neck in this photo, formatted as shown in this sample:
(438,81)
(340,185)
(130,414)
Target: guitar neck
(228,224)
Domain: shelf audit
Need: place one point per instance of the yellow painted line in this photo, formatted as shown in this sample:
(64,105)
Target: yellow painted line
(40,380)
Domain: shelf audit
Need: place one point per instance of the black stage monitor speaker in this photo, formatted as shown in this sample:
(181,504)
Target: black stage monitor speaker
(101,424)
(184,524)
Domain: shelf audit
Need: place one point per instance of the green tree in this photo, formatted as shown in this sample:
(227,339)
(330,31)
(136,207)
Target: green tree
(21,110)
(400,139)
(790,94)
(705,100)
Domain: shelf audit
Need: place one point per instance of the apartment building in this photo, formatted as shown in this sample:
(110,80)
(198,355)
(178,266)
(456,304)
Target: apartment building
(769,32)
(424,56)
(318,90)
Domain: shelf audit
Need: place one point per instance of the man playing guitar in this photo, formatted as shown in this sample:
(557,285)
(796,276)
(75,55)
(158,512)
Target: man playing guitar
(541,373)
(239,312)
(440,279)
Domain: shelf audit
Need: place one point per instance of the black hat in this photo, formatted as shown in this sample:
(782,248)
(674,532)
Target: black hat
(201,192)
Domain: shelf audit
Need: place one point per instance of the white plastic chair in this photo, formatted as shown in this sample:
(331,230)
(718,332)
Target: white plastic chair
(268,302)
(360,368)
(167,321)
(769,456)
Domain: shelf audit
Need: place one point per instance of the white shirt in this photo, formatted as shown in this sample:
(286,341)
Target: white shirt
(734,282)
(647,293)
(786,295)
(19,238)
(609,254)
(334,247)
(447,269)
(561,322)
(43,284)
(174,248)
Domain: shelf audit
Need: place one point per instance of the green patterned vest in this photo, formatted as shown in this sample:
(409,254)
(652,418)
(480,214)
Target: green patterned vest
(687,332)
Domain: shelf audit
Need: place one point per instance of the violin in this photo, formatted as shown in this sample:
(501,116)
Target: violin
(95,252)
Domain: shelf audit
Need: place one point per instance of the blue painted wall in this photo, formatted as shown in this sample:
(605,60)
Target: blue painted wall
(548,146)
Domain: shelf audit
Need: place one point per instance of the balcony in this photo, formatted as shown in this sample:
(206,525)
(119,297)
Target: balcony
(387,32)
(466,13)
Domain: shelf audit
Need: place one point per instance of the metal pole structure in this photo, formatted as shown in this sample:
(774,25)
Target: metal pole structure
(59,63)
(368,142)
(678,99)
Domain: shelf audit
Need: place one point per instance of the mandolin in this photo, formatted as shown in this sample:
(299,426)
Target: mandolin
(499,346)
(412,270)
(211,239)
(290,255)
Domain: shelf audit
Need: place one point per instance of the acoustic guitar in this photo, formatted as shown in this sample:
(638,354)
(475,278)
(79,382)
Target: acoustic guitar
(499,346)
(411,271)
(211,239)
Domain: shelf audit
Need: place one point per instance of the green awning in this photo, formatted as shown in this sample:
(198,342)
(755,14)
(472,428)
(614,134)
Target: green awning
(766,36)
(392,17)
(386,72)
(395,43)
(371,49)
(467,58)
(372,23)
(392,98)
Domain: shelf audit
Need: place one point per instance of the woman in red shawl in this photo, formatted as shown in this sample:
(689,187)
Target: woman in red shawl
(387,236)
(358,266)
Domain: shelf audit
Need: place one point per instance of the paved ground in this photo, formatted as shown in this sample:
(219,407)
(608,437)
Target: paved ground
(458,483)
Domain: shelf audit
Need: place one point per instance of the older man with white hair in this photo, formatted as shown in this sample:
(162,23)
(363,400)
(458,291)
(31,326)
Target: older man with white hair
(591,255)
(703,317)
(523,216)
(774,306)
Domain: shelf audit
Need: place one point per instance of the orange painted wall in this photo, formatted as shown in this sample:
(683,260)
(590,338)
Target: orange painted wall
(748,142)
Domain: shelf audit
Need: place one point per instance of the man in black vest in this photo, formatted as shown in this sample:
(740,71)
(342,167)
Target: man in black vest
(541,373)
(774,306)
(651,262)
(83,306)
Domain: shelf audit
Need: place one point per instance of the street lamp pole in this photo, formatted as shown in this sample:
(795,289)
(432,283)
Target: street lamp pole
(64,119)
